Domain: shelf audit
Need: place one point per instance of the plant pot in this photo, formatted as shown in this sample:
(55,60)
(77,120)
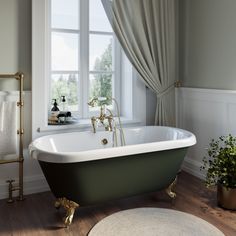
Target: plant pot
(226,197)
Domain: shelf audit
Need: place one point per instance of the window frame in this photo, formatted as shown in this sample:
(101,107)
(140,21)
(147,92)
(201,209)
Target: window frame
(83,72)
(131,91)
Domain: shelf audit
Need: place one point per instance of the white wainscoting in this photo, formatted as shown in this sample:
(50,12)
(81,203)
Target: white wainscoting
(208,113)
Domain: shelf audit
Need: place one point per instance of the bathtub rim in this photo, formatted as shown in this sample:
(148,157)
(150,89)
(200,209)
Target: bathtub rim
(111,152)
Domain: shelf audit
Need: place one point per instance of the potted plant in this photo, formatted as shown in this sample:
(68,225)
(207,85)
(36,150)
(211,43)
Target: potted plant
(220,165)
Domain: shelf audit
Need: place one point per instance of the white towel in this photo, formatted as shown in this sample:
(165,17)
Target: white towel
(8,126)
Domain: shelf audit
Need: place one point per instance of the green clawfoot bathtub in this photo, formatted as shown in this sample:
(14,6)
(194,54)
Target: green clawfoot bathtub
(83,168)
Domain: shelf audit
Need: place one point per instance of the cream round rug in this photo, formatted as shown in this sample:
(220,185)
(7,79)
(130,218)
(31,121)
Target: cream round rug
(153,222)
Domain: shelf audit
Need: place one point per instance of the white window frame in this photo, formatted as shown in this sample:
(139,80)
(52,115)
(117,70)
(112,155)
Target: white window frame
(83,71)
(130,92)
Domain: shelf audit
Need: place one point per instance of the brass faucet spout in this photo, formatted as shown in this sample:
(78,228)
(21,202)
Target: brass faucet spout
(110,119)
(94,121)
(102,115)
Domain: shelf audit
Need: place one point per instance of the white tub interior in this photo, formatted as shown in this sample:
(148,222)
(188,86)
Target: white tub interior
(85,141)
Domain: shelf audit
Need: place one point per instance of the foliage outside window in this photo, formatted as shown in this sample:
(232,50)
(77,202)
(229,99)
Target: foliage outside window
(101,85)
(80,68)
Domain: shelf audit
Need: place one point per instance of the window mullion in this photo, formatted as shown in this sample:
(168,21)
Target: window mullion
(64,72)
(84,56)
(101,32)
(72,31)
(48,59)
(101,72)
(117,68)
(79,85)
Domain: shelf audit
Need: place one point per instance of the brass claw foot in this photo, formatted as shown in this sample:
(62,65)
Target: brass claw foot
(169,190)
(70,208)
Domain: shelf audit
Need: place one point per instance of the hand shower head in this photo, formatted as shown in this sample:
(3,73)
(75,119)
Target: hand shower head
(92,102)
(97,99)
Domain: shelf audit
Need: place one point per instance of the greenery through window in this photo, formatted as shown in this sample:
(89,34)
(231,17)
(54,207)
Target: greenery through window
(83,54)
(101,84)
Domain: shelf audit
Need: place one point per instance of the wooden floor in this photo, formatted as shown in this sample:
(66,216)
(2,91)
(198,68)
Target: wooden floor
(37,215)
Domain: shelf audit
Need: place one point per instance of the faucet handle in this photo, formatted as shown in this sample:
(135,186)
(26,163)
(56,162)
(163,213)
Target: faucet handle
(92,102)
(97,99)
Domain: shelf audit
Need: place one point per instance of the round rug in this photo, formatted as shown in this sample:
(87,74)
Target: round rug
(153,222)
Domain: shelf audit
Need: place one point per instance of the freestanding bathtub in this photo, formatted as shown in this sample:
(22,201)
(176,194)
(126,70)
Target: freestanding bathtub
(84,168)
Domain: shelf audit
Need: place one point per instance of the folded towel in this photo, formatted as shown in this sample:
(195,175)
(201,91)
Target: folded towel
(8,128)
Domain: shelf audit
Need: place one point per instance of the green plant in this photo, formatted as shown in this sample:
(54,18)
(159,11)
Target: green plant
(220,163)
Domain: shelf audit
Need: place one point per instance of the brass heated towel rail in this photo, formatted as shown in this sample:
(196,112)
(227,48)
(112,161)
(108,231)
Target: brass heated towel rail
(20,159)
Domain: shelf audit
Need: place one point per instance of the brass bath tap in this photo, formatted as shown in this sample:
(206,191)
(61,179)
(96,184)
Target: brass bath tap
(102,116)
(111,126)
(94,122)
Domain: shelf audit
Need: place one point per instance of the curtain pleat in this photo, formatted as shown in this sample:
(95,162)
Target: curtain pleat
(146,32)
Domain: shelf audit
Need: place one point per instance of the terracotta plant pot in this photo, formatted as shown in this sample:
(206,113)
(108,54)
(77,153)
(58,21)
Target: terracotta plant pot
(226,197)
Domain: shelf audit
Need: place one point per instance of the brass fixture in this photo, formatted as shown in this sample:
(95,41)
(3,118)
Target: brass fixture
(93,102)
(111,126)
(10,187)
(104,141)
(70,208)
(20,78)
(177,83)
(102,116)
(170,191)
(94,122)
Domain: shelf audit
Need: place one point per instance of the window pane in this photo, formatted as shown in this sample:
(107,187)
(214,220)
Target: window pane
(100,52)
(65,85)
(65,51)
(98,20)
(100,85)
(65,14)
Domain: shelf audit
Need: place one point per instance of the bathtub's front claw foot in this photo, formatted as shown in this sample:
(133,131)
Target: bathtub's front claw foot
(170,191)
(70,208)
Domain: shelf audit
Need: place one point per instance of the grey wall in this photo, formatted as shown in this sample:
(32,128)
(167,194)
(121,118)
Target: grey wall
(15,40)
(207,42)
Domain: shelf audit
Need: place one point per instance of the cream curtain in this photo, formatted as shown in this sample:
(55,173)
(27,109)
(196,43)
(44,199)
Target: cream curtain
(146,32)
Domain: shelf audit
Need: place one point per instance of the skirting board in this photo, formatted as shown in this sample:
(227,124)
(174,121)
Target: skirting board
(32,184)
(193,168)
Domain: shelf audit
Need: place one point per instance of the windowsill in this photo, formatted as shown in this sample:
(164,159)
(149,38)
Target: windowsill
(83,125)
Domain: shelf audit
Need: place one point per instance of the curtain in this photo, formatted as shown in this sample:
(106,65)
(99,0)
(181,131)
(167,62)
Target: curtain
(146,32)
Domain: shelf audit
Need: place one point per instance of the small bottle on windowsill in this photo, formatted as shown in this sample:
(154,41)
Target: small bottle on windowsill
(53,118)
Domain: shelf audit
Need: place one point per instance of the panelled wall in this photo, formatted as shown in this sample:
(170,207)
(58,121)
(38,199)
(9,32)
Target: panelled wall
(207,68)
(208,113)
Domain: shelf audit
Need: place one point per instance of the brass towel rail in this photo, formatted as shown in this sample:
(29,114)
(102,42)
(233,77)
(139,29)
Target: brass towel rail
(20,78)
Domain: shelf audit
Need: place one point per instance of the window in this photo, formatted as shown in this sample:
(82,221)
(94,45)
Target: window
(85,56)
(75,54)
